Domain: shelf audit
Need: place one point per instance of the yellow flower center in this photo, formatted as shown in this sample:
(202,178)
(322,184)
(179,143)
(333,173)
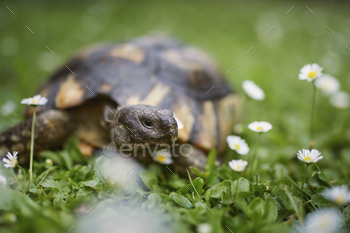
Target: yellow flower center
(312,74)
(237,146)
(307,158)
(325,87)
(13,162)
(238,167)
(341,199)
(259,128)
(161,158)
(35,102)
(324,222)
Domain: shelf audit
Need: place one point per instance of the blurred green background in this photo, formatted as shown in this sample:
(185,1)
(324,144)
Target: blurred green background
(226,30)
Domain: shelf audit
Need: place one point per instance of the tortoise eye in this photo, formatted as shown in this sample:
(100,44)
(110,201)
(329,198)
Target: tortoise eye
(148,123)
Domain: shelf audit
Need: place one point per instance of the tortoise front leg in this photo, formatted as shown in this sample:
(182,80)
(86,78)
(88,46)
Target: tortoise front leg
(52,128)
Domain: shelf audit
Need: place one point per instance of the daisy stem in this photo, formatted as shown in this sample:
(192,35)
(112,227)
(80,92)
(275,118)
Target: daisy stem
(326,179)
(237,185)
(312,114)
(14,174)
(302,185)
(254,159)
(32,149)
(24,173)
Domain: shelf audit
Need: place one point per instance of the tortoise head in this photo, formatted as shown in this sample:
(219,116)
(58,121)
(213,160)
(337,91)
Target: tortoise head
(139,125)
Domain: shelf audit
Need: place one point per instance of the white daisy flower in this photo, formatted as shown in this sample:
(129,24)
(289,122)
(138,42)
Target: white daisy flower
(238,144)
(323,221)
(340,100)
(3,180)
(49,162)
(204,228)
(310,72)
(163,156)
(339,195)
(179,123)
(253,90)
(308,157)
(11,161)
(238,165)
(328,84)
(260,126)
(35,101)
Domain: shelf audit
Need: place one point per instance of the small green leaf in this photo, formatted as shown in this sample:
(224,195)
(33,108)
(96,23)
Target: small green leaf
(270,210)
(51,184)
(68,162)
(243,185)
(221,190)
(148,178)
(83,173)
(84,192)
(198,173)
(198,183)
(165,198)
(294,201)
(181,200)
(209,179)
(176,182)
(284,199)
(153,201)
(34,190)
(322,178)
(242,205)
(91,183)
(59,199)
(320,200)
(257,207)
(210,165)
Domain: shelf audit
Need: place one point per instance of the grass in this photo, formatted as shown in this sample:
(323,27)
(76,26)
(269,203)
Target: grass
(227,31)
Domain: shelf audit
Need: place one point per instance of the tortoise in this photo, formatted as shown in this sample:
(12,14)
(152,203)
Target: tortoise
(128,93)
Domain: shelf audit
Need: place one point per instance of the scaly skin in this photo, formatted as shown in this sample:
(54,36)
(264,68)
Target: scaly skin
(51,129)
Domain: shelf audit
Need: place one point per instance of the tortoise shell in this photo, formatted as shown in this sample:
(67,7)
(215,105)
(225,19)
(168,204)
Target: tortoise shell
(156,71)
